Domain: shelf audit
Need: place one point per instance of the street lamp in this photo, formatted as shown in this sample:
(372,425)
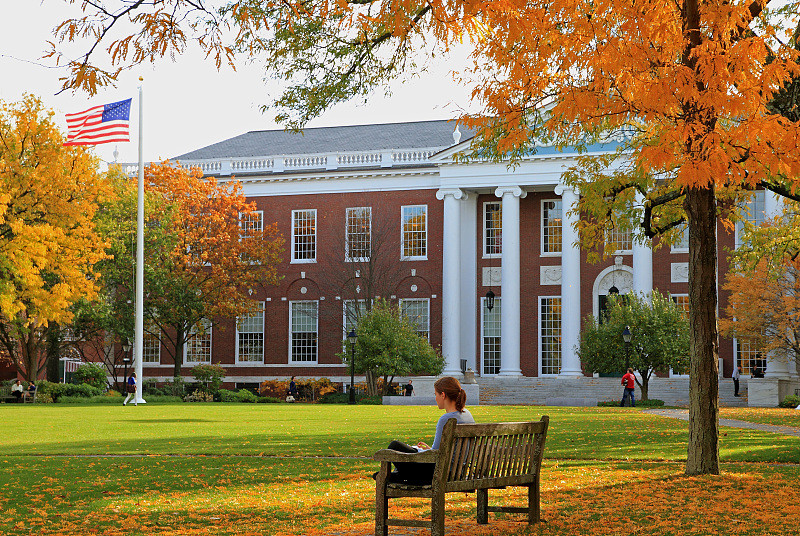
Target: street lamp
(352,338)
(490,300)
(126,348)
(626,338)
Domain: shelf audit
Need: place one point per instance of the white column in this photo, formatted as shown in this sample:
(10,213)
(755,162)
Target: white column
(570,285)
(451,279)
(777,365)
(510,281)
(642,262)
(469,280)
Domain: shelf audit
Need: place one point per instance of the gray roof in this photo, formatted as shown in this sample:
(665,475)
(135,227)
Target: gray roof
(422,134)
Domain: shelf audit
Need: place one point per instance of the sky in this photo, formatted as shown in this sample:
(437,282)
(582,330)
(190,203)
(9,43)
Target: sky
(188,104)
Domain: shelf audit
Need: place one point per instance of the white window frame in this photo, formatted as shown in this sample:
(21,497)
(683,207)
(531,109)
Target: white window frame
(427,302)
(680,248)
(259,223)
(541,336)
(497,301)
(316,327)
(347,257)
(673,374)
(262,312)
(147,335)
(487,255)
(403,234)
(210,332)
(542,252)
(295,260)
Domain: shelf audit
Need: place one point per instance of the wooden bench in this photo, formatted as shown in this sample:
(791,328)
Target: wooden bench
(471,457)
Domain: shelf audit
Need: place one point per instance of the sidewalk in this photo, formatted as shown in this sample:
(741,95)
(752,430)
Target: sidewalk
(683,414)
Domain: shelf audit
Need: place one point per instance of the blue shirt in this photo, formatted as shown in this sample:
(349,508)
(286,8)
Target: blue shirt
(461,417)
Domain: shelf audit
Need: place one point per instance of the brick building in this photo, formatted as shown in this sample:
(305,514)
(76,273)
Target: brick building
(441,233)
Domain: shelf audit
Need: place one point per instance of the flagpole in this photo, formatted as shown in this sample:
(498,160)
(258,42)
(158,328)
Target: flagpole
(139,320)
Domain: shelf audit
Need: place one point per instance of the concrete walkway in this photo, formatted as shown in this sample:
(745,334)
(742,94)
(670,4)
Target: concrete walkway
(683,414)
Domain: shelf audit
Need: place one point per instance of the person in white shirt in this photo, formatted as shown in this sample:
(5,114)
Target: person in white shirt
(17,390)
(737,373)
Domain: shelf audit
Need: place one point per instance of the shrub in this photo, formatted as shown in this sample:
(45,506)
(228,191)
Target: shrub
(174,388)
(199,396)
(268,400)
(791,401)
(156,399)
(58,390)
(90,374)
(208,377)
(242,395)
(308,389)
(101,399)
(651,403)
(344,398)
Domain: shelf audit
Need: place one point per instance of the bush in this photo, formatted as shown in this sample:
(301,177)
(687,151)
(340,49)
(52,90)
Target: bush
(242,395)
(101,399)
(90,374)
(58,390)
(208,377)
(199,396)
(268,400)
(344,398)
(174,388)
(791,401)
(156,399)
(652,403)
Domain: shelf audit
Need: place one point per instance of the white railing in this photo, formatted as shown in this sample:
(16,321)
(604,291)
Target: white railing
(320,161)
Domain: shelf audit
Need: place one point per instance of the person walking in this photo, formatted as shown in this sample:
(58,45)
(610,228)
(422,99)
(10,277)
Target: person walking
(629,382)
(130,387)
(737,373)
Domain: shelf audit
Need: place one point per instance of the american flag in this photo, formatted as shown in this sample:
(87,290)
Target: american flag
(100,124)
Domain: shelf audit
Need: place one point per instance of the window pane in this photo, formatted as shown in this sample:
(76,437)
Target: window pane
(748,357)
(492,229)
(359,233)
(151,350)
(621,239)
(415,231)
(304,331)
(250,223)
(304,235)
(491,337)
(753,212)
(250,332)
(551,226)
(417,312)
(550,322)
(198,348)
(351,315)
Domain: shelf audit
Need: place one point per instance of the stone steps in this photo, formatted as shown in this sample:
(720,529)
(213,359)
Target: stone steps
(536,391)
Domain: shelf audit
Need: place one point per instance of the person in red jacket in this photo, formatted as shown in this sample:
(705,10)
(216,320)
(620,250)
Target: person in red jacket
(629,382)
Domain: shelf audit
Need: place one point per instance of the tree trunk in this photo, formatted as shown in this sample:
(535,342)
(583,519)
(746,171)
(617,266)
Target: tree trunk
(372,383)
(178,357)
(53,352)
(644,385)
(703,448)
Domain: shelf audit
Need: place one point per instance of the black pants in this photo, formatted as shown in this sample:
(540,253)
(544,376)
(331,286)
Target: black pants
(735,387)
(413,473)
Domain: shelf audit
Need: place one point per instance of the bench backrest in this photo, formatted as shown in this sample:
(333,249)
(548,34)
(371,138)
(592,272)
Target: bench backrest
(494,453)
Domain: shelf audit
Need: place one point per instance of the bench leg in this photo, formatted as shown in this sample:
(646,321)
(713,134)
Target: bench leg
(382,502)
(483,506)
(534,514)
(437,514)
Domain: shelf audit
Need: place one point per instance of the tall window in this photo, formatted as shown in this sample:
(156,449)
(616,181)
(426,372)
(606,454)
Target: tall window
(415,231)
(682,245)
(753,211)
(251,223)
(198,349)
(551,226)
(621,239)
(352,314)
(358,242)
(682,301)
(550,336)
(490,348)
(151,346)
(748,357)
(417,311)
(304,235)
(250,337)
(303,322)
(492,229)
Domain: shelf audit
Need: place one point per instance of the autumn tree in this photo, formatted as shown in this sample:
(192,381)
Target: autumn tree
(49,245)
(206,252)
(680,89)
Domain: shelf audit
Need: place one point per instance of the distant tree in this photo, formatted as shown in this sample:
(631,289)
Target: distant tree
(92,374)
(659,338)
(206,252)
(208,377)
(764,307)
(49,245)
(388,346)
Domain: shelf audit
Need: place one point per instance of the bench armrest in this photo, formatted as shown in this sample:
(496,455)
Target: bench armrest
(387,455)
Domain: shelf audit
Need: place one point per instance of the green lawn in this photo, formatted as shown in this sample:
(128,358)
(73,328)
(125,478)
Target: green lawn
(275,469)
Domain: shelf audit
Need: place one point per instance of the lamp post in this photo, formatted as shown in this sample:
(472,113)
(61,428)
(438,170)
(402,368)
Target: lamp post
(126,348)
(352,338)
(626,338)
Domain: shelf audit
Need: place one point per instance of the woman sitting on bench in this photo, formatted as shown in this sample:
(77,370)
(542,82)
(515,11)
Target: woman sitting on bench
(451,398)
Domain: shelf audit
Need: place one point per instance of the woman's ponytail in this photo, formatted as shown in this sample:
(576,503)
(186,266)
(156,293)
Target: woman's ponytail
(452,390)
